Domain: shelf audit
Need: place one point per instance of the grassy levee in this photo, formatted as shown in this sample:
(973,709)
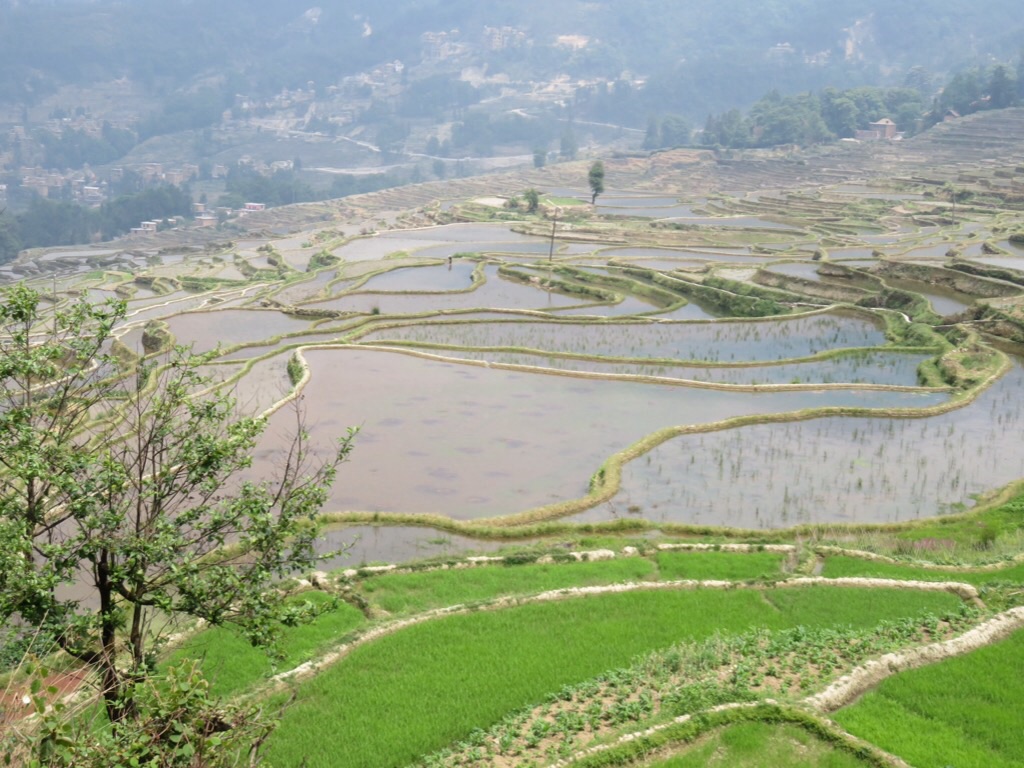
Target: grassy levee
(664,299)
(963,712)
(566,287)
(606,481)
(761,745)
(476,279)
(1000,513)
(404,593)
(838,566)
(232,664)
(638,751)
(417,690)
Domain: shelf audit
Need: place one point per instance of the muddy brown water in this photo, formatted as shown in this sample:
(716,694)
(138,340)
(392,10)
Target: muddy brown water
(204,331)
(472,442)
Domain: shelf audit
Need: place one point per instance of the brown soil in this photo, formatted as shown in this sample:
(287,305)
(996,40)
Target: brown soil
(12,700)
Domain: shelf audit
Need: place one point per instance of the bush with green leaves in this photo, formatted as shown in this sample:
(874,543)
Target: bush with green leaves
(177,725)
(130,486)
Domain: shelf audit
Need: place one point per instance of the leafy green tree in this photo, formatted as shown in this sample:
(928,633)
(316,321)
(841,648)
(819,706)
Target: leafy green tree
(920,80)
(730,129)
(131,486)
(595,178)
(840,112)
(675,131)
(540,157)
(962,92)
(532,199)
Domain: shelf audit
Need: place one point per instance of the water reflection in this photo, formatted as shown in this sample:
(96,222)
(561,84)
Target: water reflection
(865,470)
(469,442)
(730,342)
(357,545)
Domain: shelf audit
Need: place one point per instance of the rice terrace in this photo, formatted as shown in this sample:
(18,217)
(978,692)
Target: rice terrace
(722,470)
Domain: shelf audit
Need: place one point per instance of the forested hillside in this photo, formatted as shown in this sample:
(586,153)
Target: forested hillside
(698,56)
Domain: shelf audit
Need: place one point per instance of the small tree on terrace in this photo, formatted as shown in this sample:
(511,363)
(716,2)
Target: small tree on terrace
(595,177)
(532,199)
(131,487)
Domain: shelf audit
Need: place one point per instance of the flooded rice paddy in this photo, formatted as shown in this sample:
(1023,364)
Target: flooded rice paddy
(495,293)
(1009,262)
(945,301)
(873,470)
(204,331)
(428,279)
(450,431)
(884,368)
(470,442)
(727,342)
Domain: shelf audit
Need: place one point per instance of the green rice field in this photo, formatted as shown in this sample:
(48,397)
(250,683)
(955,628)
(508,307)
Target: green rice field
(964,712)
(414,592)
(417,690)
(839,566)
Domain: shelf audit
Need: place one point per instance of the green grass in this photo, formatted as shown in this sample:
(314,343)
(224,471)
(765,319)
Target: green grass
(964,712)
(839,606)
(231,663)
(420,689)
(416,592)
(719,565)
(760,745)
(553,200)
(968,531)
(840,566)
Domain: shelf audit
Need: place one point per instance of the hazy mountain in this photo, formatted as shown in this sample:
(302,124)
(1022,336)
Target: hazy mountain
(709,49)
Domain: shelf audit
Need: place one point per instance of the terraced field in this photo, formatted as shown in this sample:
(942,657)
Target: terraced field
(811,353)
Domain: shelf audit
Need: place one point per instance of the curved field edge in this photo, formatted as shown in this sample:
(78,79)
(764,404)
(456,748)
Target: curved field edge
(962,711)
(989,505)
(920,721)
(757,744)
(564,635)
(660,742)
(606,481)
(374,592)
(410,349)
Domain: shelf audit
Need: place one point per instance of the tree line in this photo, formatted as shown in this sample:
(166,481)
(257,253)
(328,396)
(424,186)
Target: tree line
(809,118)
(47,223)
